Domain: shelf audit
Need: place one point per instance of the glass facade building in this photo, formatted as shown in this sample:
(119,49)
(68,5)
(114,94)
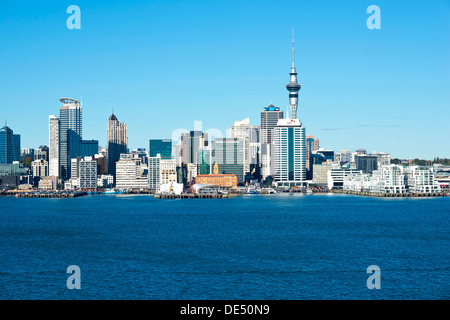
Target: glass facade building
(9,146)
(160,146)
(70,133)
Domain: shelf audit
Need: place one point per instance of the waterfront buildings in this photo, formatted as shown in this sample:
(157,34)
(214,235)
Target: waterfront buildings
(394,179)
(117,142)
(48,183)
(336,176)
(420,179)
(131,173)
(105,180)
(221,180)
(9,145)
(70,134)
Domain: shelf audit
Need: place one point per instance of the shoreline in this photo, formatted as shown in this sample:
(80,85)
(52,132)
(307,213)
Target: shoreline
(76,194)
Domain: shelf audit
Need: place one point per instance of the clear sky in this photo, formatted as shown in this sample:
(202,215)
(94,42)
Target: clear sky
(164,64)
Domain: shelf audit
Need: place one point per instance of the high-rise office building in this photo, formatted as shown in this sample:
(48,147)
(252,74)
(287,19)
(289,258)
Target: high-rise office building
(269,119)
(162,147)
(70,134)
(117,142)
(9,145)
(53,149)
(228,154)
(190,144)
(289,153)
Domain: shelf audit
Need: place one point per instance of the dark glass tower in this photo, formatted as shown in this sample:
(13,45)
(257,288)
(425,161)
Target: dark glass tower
(9,145)
(70,126)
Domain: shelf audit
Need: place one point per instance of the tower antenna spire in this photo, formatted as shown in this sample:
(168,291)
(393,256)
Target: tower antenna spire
(293,49)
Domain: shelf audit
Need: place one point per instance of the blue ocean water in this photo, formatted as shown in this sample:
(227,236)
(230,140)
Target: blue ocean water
(285,246)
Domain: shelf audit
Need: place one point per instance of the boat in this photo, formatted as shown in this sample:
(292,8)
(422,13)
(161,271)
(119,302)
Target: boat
(113,191)
(251,191)
(309,191)
(271,191)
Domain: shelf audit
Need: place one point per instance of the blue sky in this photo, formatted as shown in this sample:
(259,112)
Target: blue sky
(164,64)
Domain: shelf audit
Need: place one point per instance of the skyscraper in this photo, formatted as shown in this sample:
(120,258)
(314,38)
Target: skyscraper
(9,145)
(117,142)
(289,153)
(70,134)
(269,118)
(293,87)
(53,142)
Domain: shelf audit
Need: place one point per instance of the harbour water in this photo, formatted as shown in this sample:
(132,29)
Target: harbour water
(283,246)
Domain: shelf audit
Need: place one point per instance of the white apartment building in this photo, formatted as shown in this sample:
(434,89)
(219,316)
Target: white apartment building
(336,176)
(420,179)
(394,179)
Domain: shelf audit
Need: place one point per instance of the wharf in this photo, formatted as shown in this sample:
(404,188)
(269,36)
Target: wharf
(393,195)
(191,196)
(50,194)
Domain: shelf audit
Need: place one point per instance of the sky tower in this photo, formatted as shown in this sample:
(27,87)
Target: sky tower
(293,87)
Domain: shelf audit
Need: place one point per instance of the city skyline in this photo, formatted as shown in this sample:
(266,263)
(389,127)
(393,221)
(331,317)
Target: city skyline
(369,92)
